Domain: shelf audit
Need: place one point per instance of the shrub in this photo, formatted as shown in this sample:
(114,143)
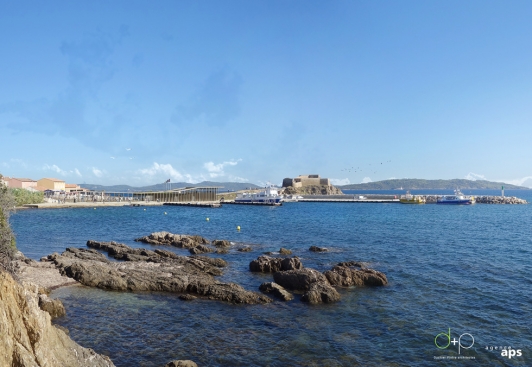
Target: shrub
(23,196)
(7,239)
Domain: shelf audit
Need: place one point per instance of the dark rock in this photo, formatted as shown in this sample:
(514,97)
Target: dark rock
(318,249)
(219,263)
(300,279)
(320,293)
(284,251)
(266,264)
(345,276)
(222,251)
(221,243)
(153,272)
(245,249)
(53,306)
(170,239)
(181,363)
(276,290)
(187,297)
(356,264)
(200,249)
(269,253)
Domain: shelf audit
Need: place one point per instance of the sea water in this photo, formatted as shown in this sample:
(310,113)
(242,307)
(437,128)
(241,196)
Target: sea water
(463,268)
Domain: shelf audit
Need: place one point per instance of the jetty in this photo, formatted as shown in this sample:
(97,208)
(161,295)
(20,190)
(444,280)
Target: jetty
(196,204)
(243,203)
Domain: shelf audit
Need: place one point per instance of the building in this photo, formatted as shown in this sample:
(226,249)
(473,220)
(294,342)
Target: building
(20,183)
(51,184)
(306,180)
(74,188)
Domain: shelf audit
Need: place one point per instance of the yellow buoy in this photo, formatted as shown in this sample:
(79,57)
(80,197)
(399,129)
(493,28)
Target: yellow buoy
(238,228)
(207,219)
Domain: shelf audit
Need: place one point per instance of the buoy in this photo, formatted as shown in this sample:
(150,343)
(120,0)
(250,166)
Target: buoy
(94,208)
(144,209)
(238,228)
(207,219)
(164,213)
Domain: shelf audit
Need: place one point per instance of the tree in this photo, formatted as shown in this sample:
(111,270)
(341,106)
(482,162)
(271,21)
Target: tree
(7,238)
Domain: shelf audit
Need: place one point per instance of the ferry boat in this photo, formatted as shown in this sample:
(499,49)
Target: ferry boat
(269,195)
(457,199)
(411,199)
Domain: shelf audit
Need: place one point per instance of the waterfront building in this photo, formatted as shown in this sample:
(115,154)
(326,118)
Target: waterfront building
(51,184)
(20,183)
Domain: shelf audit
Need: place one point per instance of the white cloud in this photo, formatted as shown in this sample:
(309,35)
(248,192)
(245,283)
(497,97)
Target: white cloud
(340,181)
(366,180)
(163,172)
(76,171)
(474,176)
(55,168)
(237,179)
(217,170)
(98,173)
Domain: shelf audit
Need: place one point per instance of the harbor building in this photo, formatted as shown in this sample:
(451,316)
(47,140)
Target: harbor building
(53,184)
(186,194)
(306,180)
(20,183)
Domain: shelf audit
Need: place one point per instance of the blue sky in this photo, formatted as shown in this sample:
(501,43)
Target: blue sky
(136,92)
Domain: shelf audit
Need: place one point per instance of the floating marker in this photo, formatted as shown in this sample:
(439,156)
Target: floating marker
(238,228)
(94,208)
(144,209)
(164,213)
(207,219)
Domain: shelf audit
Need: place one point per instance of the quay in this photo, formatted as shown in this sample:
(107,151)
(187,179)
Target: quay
(305,200)
(197,204)
(263,204)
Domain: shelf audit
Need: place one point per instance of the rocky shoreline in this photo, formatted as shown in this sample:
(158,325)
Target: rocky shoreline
(192,277)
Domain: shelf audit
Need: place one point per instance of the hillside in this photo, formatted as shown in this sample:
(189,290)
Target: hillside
(224,186)
(419,184)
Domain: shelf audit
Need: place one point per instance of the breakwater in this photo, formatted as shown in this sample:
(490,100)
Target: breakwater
(432,199)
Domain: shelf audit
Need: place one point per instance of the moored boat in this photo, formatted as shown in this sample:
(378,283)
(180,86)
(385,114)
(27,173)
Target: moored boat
(269,195)
(457,199)
(411,199)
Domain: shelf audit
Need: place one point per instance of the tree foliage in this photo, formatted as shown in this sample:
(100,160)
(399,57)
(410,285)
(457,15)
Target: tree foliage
(23,196)
(7,238)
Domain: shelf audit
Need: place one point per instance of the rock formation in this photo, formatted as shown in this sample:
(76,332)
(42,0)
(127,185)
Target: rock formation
(145,270)
(276,290)
(345,275)
(267,264)
(27,336)
(312,190)
(317,249)
(170,239)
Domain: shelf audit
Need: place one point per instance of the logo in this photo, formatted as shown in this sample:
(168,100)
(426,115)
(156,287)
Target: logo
(511,353)
(443,341)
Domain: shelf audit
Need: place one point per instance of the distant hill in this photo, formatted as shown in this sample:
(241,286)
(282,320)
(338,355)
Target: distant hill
(418,184)
(224,186)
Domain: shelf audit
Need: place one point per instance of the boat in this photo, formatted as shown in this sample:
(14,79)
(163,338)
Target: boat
(411,199)
(269,196)
(457,199)
(291,198)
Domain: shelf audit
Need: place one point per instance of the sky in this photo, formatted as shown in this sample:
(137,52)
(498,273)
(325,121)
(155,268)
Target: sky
(138,92)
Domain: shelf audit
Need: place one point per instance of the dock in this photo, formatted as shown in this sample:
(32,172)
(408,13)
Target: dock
(196,204)
(263,204)
(348,200)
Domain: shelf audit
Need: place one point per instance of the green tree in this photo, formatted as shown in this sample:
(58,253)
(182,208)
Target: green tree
(7,238)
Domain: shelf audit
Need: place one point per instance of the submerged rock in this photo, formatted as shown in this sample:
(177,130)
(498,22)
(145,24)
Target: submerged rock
(187,297)
(181,363)
(245,249)
(200,249)
(344,275)
(267,264)
(276,290)
(284,251)
(318,249)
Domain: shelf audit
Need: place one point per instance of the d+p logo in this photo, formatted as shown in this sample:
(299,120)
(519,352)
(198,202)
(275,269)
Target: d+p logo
(443,341)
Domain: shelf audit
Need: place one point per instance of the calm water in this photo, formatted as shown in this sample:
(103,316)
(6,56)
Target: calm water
(467,268)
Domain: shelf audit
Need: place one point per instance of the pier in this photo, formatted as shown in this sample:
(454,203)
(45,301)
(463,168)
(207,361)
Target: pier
(241,203)
(197,204)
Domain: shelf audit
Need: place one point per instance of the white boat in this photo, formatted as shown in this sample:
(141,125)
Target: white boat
(457,199)
(269,195)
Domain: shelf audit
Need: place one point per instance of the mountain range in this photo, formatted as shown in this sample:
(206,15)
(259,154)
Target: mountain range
(418,184)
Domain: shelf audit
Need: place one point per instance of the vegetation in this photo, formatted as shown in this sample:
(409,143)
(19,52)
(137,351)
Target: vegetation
(418,184)
(23,196)
(7,238)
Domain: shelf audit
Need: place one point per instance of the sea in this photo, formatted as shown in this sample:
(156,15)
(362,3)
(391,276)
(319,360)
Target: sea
(459,292)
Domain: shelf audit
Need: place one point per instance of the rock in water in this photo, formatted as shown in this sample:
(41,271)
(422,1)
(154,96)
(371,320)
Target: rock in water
(318,249)
(267,264)
(53,306)
(320,293)
(221,243)
(184,363)
(276,290)
(170,239)
(200,249)
(284,251)
(346,276)
(299,279)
